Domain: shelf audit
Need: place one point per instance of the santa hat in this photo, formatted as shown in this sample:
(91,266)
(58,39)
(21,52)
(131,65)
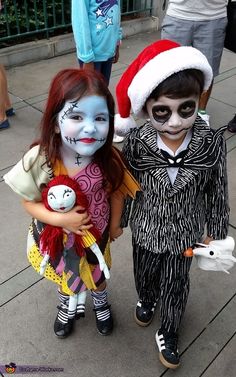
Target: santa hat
(153,65)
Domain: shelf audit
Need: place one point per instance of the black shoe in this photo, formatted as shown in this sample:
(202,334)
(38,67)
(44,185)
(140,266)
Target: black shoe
(144,312)
(79,315)
(104,327)
(167,343)
(62,330)
(232,125)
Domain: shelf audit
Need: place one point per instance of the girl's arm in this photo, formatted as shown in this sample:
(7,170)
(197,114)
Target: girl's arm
(72,221)
(117,205)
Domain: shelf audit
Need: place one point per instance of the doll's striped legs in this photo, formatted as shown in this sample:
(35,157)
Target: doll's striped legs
(80,306)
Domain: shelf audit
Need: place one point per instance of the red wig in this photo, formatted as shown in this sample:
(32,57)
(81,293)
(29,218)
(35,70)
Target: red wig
(74,84)
(51,238)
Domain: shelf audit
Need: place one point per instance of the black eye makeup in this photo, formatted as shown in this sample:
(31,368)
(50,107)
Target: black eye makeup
(187,109)
(162,113)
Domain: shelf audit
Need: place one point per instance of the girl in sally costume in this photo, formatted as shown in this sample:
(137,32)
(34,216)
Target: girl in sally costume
(180,163)
(76,140)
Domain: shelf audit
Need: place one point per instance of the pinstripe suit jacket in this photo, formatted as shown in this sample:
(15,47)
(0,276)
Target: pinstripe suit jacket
(166,217)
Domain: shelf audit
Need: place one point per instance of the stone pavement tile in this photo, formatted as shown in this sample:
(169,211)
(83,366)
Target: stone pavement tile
(224,364)
(15,141)
(228,60)
(225,91)
(220,113)
(209,344)
(33,79)
(231,141)
(231,167)
(14,224)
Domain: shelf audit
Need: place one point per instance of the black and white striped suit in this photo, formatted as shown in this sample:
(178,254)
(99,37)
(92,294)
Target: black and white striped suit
(167,219)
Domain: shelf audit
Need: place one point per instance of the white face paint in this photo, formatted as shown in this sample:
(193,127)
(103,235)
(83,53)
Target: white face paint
(61,198)
(84,126)
(172,118)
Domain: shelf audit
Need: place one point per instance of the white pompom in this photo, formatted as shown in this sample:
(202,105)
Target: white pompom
(123,125)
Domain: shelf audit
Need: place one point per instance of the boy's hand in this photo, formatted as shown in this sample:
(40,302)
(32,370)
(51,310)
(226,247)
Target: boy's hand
(89,66)
(207,240)
(117,54)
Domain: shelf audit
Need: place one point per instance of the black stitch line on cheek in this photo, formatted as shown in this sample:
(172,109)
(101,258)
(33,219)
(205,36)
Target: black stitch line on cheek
(70,140)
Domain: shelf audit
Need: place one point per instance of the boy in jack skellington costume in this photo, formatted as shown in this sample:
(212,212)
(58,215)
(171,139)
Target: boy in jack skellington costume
(180,164)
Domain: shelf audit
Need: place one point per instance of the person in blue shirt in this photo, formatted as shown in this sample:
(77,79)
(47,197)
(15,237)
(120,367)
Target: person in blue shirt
(97,35)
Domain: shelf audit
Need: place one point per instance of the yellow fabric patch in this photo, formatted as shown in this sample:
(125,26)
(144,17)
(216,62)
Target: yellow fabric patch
(36,258)
(88,239)
(86,269)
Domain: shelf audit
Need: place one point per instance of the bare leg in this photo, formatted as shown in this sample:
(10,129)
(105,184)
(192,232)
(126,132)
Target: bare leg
(5,102)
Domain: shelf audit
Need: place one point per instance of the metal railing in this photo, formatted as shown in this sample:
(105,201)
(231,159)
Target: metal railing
(22,19)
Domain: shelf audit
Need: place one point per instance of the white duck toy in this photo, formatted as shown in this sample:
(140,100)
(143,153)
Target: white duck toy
(217,256)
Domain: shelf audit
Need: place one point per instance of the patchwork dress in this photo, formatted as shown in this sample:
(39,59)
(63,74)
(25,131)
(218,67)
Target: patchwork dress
(72,272)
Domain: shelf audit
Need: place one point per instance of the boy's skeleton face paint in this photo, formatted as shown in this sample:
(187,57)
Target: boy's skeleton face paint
(173,117)
(84,125)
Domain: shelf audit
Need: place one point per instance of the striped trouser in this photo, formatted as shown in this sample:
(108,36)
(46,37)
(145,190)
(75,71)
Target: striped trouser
(165,277)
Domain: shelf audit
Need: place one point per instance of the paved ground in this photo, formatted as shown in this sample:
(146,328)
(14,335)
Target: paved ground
(28,303)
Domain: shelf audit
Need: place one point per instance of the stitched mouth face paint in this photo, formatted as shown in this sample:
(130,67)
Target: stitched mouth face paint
(84,125)
(173,117)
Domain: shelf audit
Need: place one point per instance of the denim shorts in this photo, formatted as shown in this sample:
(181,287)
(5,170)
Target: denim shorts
(206,36)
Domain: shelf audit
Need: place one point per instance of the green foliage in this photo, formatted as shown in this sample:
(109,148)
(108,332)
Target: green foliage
(21,16)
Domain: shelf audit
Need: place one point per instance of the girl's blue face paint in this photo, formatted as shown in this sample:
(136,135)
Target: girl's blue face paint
(84,125)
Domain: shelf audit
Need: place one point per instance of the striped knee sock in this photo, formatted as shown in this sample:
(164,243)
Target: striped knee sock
(63,308)
(100,302)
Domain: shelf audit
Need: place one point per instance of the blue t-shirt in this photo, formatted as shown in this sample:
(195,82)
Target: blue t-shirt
(96,28)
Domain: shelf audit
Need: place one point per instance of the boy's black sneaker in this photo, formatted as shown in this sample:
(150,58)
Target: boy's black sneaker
(167,343)
(144,312)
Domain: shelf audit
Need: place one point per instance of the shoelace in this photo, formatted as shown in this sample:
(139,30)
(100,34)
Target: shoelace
(171,342)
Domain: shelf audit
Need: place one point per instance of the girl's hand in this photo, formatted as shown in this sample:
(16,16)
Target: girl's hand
(72,221)
(115,233)
(75,221)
